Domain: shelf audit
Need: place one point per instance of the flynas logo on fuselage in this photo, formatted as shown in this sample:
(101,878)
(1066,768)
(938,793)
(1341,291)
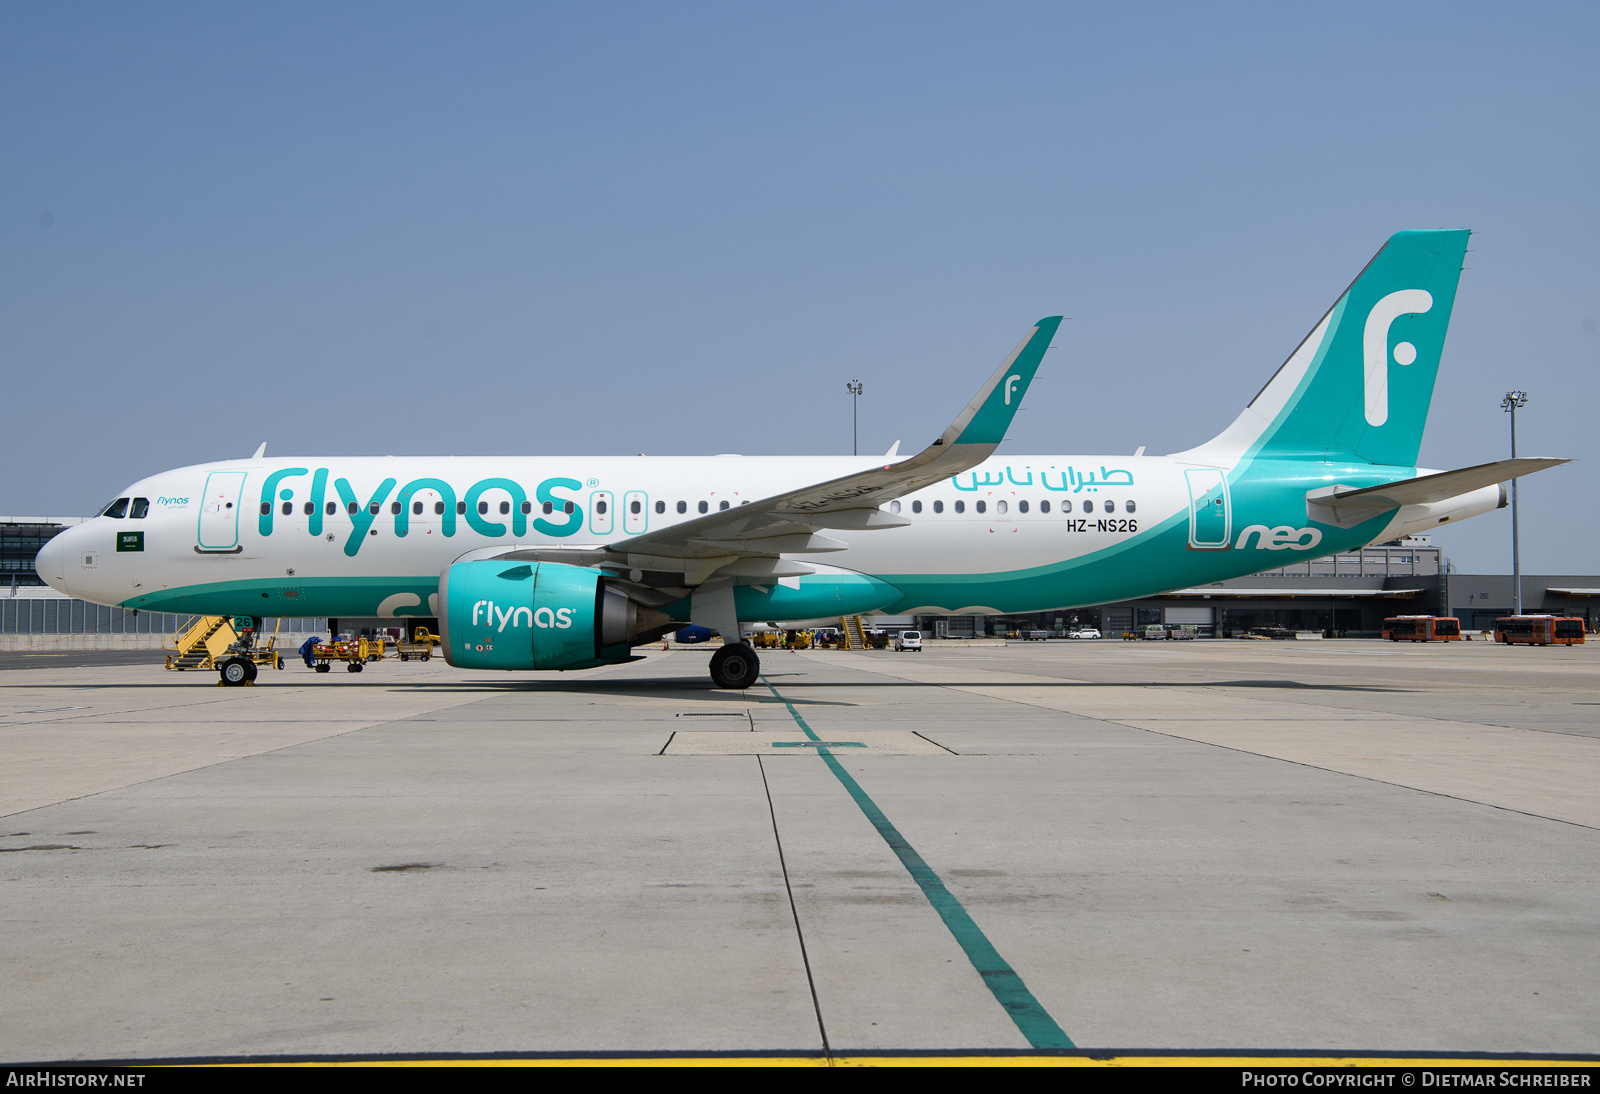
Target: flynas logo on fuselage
(172,503)
(439,512)
(1375,347)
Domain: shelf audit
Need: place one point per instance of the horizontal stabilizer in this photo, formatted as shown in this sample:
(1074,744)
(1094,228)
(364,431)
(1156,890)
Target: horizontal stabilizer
(1345,506)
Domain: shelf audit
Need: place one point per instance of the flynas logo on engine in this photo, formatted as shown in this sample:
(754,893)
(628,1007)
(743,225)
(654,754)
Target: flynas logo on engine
(432,504)
(560,619)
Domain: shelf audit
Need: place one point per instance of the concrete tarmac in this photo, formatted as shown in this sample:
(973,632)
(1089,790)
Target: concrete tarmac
(1343,846)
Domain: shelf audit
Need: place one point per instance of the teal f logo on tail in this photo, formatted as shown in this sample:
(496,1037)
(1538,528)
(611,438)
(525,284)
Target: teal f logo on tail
(1358,388)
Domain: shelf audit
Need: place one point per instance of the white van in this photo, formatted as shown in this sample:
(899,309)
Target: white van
(908,640)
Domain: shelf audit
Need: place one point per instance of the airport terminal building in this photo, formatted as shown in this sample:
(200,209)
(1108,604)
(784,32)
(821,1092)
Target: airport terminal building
(1347,594)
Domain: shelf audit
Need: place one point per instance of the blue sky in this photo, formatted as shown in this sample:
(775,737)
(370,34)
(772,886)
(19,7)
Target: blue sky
(680,228)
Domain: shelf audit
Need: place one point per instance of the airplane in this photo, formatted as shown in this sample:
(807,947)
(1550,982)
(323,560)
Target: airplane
(566,562)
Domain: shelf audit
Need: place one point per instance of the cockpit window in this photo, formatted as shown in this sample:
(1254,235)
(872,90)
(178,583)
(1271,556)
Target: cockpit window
(141,506)
(117,509)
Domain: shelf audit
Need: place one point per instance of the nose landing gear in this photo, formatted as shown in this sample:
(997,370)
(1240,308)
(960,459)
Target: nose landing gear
(237,671)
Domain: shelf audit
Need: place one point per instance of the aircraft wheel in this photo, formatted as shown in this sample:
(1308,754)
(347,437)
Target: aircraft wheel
(235,671)
(324,668)
(735,666)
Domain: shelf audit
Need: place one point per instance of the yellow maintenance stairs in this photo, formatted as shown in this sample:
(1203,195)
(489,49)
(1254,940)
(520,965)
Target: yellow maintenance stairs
(213,642)
(855,634)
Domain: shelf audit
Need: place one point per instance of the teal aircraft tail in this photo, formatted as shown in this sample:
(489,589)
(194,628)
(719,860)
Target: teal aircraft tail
(1358,388)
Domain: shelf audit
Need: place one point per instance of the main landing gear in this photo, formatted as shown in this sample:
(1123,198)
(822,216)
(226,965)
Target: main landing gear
(735,666)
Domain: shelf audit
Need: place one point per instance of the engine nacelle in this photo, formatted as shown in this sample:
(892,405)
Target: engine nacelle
(499,614)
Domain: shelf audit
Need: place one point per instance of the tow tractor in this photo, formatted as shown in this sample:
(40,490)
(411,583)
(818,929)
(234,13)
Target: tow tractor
(420,645)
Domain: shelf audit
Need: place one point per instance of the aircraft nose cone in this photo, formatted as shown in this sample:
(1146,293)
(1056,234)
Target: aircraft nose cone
(50,561)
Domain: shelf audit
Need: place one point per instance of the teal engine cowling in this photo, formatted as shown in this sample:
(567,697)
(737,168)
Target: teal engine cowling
(503,614)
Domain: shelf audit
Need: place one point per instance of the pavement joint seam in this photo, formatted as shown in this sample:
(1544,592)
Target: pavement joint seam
(788,888)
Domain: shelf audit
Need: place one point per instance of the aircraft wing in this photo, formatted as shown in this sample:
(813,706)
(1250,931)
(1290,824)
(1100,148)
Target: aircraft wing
(1352,506)
(748,540)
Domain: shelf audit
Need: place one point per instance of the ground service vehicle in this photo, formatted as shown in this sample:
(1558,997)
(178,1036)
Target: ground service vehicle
(1422,628)
(908,640)
(1539,630)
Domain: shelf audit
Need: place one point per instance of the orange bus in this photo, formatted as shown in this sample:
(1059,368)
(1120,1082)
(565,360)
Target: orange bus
(1422,628)
(1539,630)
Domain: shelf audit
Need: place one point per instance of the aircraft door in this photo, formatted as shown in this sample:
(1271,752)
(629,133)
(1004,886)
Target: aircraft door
(1210,515)
(219,511)
(635,512)
(601,512)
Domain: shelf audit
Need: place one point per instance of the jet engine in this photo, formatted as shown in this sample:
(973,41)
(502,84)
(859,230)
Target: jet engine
(504,614)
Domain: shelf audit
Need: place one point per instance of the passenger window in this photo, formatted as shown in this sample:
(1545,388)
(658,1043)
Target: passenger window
(394,508)
(981,506)
(916,507)
(999,506)
(353,507)
(333,507)
(416,508)
(961,506)
(483,507)
(683,507)
(266,509)
(567,508)
(505,507)
(310,508)
(374,507)
(118,508)
(633,507)
(1129,507)
(1022,507)
(438,508)
(549,507)
(1066,506)
(724,505)
(288,508)
(661,507)
(894,507)
(1044,507)
(938,507)
(461,508)
(600,508)
(704,507)
(141,506)
(527,507)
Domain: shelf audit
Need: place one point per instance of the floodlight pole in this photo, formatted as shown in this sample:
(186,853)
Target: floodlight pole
(1510,403)
(854,387)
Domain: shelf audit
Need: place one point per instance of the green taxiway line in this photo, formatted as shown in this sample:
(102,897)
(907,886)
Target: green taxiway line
(1009,991)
